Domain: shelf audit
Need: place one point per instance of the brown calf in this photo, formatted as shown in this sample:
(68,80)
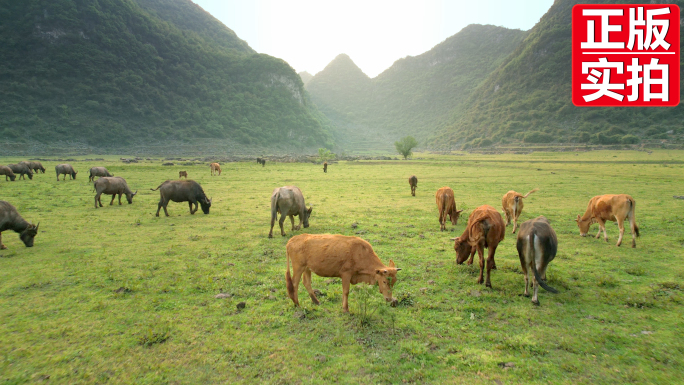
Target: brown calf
(182,174)
(446,207)
(485,228)
(413,182)
(609,207)
(215,167)
(350,258)
(512,203)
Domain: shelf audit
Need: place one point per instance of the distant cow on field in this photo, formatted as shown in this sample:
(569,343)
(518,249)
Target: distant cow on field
(8,173)
(485,229)
(512,203)
(537,245)
(182,191)
(261,161)
(182,174)
(22,169)
(288,201)
(413,182)
(350,258)
(11,220)
(609,207)
(112,185)
(446,205)
(36,166)
(215,167)
(325,167)
(65,169)
(97,171)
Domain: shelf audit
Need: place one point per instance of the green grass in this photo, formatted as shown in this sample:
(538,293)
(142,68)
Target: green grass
(117,295)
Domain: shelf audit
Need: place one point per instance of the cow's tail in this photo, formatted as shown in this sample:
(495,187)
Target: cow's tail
(532,254)
(288,277)
(445,209)
(155,189)
(526,195)
(632,217)
(274,206)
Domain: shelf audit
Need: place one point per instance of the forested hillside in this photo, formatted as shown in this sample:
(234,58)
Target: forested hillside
(118,72)
(528,99)
(416,95)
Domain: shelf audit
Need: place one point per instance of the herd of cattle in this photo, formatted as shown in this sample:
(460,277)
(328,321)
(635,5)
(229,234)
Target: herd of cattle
(351,258)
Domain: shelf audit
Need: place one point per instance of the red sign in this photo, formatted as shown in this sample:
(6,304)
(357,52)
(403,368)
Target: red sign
(625,55)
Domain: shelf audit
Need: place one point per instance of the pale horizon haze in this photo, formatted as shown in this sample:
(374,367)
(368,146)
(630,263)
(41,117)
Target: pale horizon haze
(309,34)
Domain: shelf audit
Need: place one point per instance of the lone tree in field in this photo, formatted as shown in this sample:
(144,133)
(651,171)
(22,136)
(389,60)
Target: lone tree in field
(325,155)
(405,145)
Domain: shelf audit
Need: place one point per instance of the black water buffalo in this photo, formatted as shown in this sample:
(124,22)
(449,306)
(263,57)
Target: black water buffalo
(98,171)
(7,172)
(11,220)
(21,169)
(36,166)
(112,185)
(182,191)
(413,182)
(288,201)
(65,169)
(537,245)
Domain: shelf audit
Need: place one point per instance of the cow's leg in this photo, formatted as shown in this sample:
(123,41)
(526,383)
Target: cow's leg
(598,235)
(2,247)
(535,289)
(120,199)
(527,280)
(270,233)
(605,235)
(632,227)
(159,206)
(490,264)
(346,281)
(515,223)
(196,207)
(190,206)
(307,284)
(480,253)
(280,222)
(97,196)
(621,226)
(292,223)
(473,250)
(442,221)
(296,277)
(113,197)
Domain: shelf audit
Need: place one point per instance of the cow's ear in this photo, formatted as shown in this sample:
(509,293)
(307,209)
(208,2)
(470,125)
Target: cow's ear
(578,218)
(309,210)
(391,264)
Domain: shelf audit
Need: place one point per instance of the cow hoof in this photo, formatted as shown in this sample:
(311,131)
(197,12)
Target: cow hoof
(284,235)
(535,302)
(634,246)
(3,247)
(270,235)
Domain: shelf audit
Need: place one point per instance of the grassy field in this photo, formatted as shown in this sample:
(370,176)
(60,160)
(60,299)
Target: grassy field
(117,295)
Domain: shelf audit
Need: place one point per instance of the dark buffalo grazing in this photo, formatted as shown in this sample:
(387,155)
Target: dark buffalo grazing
(537,245)
(11,220)
(485,229)
(36,166)
(98,171)
(325,167)
(182,174)
(610,207)
(65,169)
(446,205)
(112,185)
(350,258)
(8,173)
(215,168)
(288,201)
(258,160)
(262,161)
(182,191)
(512,204)
(22,169)
(413,182)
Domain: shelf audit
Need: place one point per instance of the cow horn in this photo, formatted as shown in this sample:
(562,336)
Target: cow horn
(453,239)
(37,226)
(399,269)
(136,191)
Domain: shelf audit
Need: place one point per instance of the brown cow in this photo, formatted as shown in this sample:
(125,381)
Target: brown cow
(446,206)
(215,167)
(485,228)
(65,169)
(537,245)
(8,173)
(182,174)
(112,185)
(512,203)
(350,258)
(609,207)
(413,182)
(36,166)
(325,167)
(11,220)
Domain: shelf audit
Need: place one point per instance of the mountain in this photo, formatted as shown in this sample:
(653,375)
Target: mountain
(528,98)
(124,72)
(306,77)
(413,97)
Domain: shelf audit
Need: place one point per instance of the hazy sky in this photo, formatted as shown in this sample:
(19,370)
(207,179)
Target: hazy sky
(308,34)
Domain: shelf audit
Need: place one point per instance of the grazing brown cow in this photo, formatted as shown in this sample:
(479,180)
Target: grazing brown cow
(413,182)
(609,207)
(65,169)
(446,206)
(8,173)
(537,245)
(11,220)
(288,201)
(485,228)
(182,174)
(112,185)
(97,171)
(36,166)
(182,191)
(350,258)
(512,203)
(215,167)
(325,167)
(22,169)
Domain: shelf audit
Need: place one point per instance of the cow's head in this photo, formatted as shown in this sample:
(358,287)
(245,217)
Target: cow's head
(583,225)
(454,216)
(307,214)
(129,197)
(386,278)
(462,248)
(73,174)
(30,174)
(205,203)
(13,177)
(28,234)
